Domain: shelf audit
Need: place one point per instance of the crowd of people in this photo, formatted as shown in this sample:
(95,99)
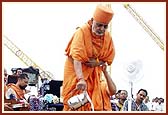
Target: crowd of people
(119,102)
(112,100)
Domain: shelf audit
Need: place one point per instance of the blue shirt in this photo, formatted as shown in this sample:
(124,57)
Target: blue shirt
(134,107)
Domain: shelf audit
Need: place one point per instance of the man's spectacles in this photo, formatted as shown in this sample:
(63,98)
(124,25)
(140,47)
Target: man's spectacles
(100,25)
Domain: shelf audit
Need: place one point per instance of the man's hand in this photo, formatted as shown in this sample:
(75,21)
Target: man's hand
(8,107)
(81,85)
(93,62)
(27,91)
(104,67)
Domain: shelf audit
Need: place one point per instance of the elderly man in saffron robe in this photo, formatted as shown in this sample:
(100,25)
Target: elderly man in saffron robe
(89,48)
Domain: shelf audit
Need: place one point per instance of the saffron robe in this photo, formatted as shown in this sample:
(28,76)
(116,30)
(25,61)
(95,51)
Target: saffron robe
(82,46)
(19,92)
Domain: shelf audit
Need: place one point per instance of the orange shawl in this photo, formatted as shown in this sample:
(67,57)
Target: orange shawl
(19,92)
(81,47)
